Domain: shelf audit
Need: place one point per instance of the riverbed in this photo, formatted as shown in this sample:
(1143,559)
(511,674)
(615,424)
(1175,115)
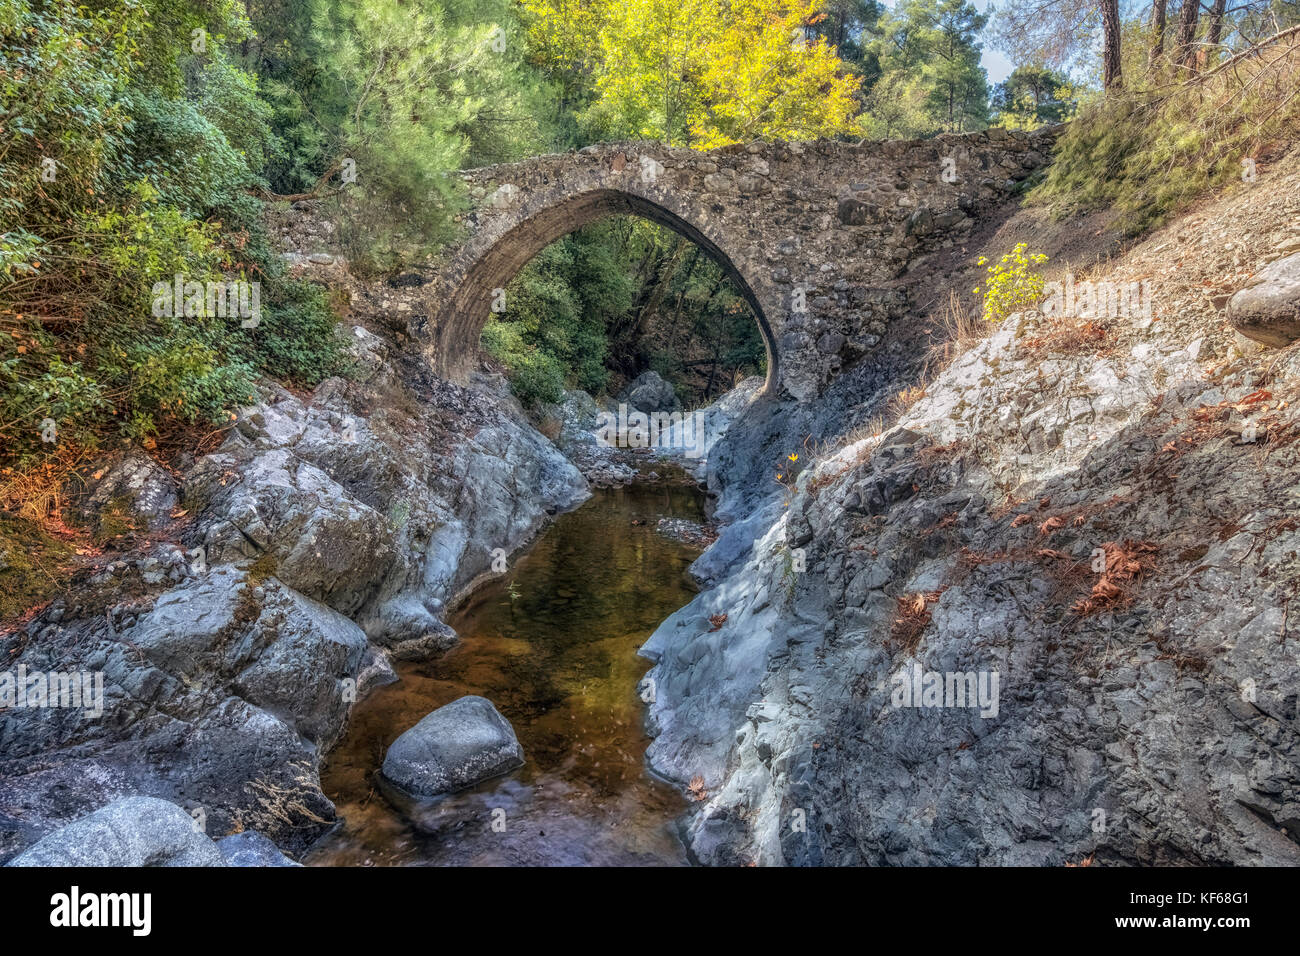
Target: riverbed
(553,645)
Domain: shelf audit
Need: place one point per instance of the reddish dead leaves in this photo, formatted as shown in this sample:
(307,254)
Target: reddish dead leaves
(1126,565)
(1051,524)
(912,620)
(696,789)
(717,620)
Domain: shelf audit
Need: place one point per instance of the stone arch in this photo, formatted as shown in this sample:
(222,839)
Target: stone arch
(819,237)
(497,255)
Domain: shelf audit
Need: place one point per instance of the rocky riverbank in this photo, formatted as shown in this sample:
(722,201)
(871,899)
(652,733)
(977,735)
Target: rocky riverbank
(1096,520)
(246,600)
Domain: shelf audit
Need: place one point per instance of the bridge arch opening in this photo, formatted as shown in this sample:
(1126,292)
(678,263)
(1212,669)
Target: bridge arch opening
(489,269)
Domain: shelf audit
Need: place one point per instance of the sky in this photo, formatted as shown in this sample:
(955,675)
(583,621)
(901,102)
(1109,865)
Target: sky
(997,65)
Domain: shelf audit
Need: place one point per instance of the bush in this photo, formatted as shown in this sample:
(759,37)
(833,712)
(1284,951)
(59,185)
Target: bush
(120,169)
(1150,153)
(1012,284)
(297,338)
(536,378)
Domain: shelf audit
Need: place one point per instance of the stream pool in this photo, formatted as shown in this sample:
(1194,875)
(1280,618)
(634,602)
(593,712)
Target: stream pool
(553,645)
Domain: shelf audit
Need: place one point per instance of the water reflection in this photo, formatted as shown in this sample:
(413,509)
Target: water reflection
(553,645)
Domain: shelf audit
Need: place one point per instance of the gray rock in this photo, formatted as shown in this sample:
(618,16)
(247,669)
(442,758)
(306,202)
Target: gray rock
(285,653)
(250,848)
(1160,717)
(456,746)
(1267,310)
(135,831)
(131,487)
(648,392)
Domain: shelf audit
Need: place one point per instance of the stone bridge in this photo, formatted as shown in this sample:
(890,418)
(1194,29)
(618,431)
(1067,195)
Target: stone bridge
(813,234)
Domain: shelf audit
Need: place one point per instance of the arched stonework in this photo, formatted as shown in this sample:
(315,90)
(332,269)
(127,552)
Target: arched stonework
(813,234)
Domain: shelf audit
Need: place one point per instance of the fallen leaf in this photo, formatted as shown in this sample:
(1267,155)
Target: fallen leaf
(696,788)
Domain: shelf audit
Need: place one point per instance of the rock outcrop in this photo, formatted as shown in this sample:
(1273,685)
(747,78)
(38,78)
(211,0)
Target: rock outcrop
(1109,531)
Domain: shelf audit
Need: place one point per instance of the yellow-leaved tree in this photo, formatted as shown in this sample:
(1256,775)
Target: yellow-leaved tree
(703,73)
(766,76)
(652,53)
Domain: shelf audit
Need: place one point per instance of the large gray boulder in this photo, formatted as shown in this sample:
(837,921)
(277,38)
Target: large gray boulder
(648,392)
(455,747)
(1268,308)
(286,653)
(135,831)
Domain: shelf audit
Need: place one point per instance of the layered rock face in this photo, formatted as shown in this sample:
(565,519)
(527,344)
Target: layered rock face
(1104,539)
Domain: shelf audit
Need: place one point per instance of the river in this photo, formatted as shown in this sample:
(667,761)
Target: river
(553,645)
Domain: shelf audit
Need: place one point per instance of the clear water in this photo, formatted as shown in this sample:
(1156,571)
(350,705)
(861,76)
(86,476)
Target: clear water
(553,646)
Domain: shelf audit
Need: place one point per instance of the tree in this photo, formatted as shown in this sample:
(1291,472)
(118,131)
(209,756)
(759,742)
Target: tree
(1184,46)
(933,43)
(1214,32)
(1062,34)
(651,51)
(764,77)
(1112,75)
(388,98)
(1157,33)
(849,26)
(1033,96)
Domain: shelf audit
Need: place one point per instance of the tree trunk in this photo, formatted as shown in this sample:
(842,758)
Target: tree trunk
(1112,75)
(1158,13)
(1185,47)
(1214,31)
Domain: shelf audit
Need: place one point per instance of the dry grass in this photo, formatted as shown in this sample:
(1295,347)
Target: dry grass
(959,329)
(1068,336)
(37,492)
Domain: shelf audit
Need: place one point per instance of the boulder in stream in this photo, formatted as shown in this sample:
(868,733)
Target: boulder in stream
(456,746)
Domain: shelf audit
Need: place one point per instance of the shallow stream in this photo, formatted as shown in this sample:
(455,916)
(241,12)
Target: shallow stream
(553,645)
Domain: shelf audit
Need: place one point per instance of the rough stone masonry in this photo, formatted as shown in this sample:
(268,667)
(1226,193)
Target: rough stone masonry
(817,236)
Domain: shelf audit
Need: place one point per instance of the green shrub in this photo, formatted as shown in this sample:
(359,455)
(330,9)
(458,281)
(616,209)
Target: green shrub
(150,156)
(1148,154)
(297,338)
(535,377)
